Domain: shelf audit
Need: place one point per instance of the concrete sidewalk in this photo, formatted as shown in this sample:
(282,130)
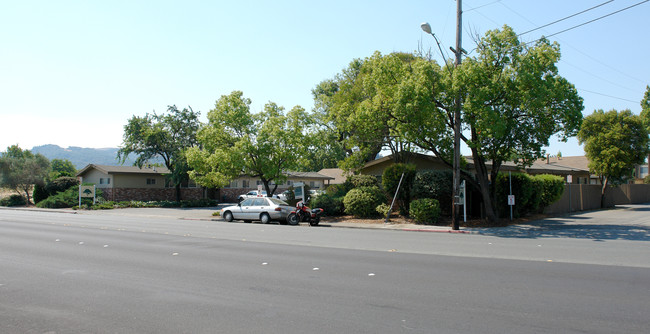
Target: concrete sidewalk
(626,222)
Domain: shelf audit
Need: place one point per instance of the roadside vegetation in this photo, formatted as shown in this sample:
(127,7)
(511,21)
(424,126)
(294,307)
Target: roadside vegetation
(513,101)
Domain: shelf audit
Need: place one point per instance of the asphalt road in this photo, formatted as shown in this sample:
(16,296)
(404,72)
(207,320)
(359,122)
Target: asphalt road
(62,273)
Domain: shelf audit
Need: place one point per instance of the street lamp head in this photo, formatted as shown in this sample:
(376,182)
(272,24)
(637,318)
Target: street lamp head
(426,27)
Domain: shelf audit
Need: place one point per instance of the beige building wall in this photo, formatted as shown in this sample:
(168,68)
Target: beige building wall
(139,181)
(99,179)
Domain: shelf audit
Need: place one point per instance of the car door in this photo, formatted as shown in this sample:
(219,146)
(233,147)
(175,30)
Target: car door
(259,205)
(241,211)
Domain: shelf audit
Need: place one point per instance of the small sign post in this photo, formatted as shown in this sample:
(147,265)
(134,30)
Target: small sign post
(299,190)
(87,191)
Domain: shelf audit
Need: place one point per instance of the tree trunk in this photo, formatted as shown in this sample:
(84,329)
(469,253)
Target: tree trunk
(178,192)
(602,193)
(484,186)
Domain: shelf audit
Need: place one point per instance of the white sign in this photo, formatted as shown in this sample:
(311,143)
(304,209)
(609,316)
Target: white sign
(299,190)
(569,178)
(511,199)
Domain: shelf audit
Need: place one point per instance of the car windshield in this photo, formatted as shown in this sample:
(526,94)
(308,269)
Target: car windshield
(277,201)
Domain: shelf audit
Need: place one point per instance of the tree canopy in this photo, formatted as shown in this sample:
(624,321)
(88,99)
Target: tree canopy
(61,167)
(21,169)
(513,100)
(166,136)
(237,142)
(614,142)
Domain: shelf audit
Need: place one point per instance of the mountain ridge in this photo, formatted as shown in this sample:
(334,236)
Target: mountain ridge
(83,156)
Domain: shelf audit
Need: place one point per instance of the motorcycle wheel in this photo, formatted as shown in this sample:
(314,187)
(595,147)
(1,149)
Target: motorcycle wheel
(292,219)
(314,222)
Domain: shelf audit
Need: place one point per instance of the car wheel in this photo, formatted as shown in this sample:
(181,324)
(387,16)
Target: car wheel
(227,216)
(265,218)
(292,219)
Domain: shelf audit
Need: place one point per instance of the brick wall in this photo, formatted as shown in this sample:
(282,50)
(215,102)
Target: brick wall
(151,194)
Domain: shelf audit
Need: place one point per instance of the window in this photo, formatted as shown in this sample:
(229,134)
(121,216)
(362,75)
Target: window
(260,201)
(312,184)
(259,183)
(151,181)
(244,183)
(101,181)
(289,182)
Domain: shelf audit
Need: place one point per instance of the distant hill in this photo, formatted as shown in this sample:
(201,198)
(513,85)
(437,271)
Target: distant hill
(81,156)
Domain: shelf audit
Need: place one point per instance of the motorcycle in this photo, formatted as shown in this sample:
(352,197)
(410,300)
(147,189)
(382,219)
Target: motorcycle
(304,214)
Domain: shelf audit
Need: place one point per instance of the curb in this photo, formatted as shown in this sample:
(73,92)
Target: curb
(39,210)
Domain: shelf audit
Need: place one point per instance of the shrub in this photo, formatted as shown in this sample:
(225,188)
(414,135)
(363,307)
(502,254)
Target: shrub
(646,179)
(65,199)
(13,200)
(332,206)
(436,184)
(552,188)
(383,209)
(425,211)
(524,190)
(363,180)
(339,190)
(61,184)
(40,193)
(362,202)
(390,180)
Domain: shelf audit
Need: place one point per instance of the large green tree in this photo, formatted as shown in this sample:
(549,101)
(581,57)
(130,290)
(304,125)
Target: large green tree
(358,107)
(513,100)
(645,112)
(20,170)
(614,142)
(61,167)
(166,136)
(237,142)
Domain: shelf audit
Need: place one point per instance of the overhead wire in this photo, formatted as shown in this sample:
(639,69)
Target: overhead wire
(564,18)
(596,19)
(588,72)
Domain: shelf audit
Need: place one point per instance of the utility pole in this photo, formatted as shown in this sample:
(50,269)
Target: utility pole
(457,128)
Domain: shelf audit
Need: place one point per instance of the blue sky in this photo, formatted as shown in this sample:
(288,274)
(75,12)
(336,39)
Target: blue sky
(73,72)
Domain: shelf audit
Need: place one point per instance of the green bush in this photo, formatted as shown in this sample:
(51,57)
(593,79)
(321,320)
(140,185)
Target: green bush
(525,191)
(425,211)
(362,202)
(383,209)
(40,193)
(339,190)
(65,199)
(13,200)
(363,180)
(390,180)
(552,188)
(61,184)
(436,184)
(646,179)
(332,206)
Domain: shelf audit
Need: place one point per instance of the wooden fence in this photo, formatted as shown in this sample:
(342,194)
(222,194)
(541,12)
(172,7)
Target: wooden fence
(583,197)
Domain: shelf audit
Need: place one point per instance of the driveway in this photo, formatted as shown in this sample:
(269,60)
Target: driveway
(625,222)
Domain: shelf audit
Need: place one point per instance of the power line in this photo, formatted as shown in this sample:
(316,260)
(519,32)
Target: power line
(481,6)
(564,18)
(614,97)
(596,19)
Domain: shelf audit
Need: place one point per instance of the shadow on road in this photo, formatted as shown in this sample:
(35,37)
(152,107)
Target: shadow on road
(560,228)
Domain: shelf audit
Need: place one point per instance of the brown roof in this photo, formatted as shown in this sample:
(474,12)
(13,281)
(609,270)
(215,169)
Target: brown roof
(579,162)
(106,169)
(337,175)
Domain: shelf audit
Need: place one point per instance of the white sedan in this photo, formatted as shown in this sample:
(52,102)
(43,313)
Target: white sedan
(264,209)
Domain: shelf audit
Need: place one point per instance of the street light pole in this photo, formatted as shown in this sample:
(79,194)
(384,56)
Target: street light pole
(456,120)
(456,213)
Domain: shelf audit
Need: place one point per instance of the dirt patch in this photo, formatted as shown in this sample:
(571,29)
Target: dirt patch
(444,221)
